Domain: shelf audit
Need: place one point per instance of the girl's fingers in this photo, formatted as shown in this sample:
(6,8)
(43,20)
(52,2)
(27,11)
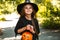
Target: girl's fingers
(32,31)
(28,28)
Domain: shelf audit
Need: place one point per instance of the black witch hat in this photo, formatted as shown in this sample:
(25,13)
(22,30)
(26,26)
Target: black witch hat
(20,6)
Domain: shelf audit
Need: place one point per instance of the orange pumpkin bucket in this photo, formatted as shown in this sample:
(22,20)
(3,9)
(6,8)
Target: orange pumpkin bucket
(27,36)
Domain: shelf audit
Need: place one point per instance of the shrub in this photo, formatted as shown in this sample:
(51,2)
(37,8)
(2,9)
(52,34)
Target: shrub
(50,24)
(2,19)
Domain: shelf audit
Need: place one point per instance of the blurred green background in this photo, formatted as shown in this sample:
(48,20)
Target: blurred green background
(48,14)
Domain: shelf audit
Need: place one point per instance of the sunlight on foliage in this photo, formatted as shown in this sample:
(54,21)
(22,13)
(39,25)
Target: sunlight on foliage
(49,10)
(32,1)
(42,9)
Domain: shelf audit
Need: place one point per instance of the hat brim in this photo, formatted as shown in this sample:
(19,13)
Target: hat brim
(20,6)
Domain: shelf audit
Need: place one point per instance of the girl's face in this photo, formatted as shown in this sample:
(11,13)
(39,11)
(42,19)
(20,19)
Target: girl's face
(28,9)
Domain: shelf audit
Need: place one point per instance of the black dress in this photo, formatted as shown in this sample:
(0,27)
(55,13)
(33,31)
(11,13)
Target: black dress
(22,22)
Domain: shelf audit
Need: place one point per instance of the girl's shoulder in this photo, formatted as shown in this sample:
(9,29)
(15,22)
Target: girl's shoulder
(35,20)
(21,18)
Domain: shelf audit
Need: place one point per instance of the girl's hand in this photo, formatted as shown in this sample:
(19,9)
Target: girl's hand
(30,28)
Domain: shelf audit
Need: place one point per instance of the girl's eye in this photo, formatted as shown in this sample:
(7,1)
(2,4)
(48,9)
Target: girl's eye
(30,8)
(25,7)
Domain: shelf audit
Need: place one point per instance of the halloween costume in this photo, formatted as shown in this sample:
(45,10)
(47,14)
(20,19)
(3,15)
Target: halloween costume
(22,22)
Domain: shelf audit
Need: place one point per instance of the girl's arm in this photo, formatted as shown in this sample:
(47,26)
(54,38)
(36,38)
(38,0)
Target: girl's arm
(21,29)
(37,27)
(27,27)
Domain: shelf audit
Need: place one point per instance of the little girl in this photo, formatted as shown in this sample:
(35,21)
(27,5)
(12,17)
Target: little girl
(27,12)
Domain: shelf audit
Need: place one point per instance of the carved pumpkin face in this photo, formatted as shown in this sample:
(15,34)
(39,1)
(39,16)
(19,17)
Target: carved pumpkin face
(27,36)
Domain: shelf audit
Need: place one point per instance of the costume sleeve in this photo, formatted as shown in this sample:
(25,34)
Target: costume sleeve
(37,27)
(18,26)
